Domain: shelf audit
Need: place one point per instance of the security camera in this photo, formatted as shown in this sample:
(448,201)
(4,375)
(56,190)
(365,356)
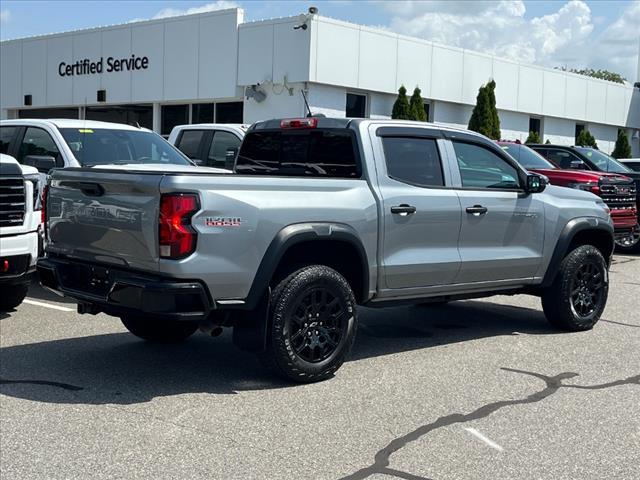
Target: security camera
(313,10)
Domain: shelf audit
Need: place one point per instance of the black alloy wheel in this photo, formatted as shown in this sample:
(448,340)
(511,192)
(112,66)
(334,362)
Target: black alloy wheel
(316,324)
(587,289)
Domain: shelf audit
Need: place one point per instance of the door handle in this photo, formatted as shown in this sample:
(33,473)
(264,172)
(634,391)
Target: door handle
(403,209)
(477,210)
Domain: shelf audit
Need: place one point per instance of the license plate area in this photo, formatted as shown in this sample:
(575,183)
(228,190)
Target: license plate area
(92,279)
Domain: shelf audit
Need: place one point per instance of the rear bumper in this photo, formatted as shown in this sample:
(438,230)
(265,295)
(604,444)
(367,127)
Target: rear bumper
(119,292)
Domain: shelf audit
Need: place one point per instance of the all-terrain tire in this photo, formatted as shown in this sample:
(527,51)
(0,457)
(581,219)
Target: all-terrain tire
(11,296)
(578,295)
(159,331)
(313,323)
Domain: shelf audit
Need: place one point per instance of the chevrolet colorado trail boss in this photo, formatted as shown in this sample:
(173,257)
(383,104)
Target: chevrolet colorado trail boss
(19,224)
(320,216)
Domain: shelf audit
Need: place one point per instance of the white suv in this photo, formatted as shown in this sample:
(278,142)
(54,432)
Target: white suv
(209,144)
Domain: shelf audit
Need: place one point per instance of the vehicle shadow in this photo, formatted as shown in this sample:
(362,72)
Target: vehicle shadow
(121,369)
(36,292)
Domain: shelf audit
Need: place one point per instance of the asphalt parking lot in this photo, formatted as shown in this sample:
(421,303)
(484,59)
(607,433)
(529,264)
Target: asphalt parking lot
(472,390)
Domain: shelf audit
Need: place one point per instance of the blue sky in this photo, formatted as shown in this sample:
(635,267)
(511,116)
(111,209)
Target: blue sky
(598,34)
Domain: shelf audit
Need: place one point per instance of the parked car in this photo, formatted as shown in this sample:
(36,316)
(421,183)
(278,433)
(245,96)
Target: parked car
(209,144)
(20,199)
(597,161)
(617,191)
(322,215)
(632,163)
(61,143)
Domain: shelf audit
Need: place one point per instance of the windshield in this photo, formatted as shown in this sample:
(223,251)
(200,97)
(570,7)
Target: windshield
(104,146)
(603,161)
(527,157)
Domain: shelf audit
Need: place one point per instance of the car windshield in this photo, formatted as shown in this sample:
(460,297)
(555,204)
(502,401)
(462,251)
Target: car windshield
(527,157)
(105,146)
(603,161)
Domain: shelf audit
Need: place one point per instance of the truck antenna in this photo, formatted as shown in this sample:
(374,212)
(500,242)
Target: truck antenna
(304,96)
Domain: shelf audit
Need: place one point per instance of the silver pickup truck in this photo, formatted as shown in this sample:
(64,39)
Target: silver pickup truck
(320,216)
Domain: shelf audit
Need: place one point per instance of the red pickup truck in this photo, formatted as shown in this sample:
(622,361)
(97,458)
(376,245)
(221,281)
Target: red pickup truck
(617,191)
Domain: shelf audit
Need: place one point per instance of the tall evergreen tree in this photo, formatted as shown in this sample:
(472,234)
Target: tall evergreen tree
(484,118)
(495,119)
(416,107)
(622,148)
(585,139)
(401,109)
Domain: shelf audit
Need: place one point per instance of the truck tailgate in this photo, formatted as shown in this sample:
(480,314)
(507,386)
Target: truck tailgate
(105,216)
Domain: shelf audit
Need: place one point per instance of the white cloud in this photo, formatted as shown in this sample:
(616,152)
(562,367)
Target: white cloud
(209,7)
(563,38)
(5,15)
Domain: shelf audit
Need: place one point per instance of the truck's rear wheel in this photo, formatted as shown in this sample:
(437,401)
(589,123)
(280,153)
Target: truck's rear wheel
(12,296)
(313,324)
(161,331)
(576,299)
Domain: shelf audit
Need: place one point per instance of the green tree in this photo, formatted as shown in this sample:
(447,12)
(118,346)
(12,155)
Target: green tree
(585,139)
(401,109)
(548,142)
(534,137)
(622,148)
(484,118)
(416,107)
(495,119)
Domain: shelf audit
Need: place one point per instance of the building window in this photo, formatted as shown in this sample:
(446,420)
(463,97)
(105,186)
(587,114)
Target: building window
(579,128)
(129,114)
(427,108)
(202,113)
(229,112)
(49,113)
(173,115)
(534,125)
(356,106)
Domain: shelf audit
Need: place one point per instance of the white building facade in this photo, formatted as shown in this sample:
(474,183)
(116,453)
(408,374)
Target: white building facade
(216,67)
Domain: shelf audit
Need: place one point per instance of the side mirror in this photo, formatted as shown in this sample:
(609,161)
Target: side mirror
(43,163)
(536,183)
(230,158)
(577,165)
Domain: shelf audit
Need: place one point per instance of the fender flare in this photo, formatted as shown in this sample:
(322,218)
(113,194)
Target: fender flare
(570,230)
(297,233)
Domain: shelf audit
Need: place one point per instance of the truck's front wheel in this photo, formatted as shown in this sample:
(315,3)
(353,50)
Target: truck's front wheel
(12,296)
(577,297)
(313,324)
(161,331)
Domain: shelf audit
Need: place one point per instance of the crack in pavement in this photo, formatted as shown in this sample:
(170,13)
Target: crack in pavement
(65,386)
(552,385)
(620,323)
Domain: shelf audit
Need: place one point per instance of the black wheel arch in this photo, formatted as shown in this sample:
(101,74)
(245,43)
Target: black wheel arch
(323,234)
(580,231)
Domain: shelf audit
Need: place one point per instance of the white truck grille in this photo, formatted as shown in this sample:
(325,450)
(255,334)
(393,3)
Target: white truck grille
(12,201)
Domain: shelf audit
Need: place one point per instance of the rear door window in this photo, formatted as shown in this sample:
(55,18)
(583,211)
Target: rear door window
(222,142)
(189,143)
(314,153)
(6,135)
(37,141)
(413,160)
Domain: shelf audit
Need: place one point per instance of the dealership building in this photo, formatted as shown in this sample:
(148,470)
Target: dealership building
(215,67)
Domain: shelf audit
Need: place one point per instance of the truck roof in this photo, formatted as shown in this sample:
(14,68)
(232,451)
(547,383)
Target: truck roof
(333,122)
(71,123)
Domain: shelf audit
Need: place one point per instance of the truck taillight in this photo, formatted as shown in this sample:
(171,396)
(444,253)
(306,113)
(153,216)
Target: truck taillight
(177,238)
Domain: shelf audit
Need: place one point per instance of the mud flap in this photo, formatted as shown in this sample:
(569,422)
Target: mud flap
(250,327)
